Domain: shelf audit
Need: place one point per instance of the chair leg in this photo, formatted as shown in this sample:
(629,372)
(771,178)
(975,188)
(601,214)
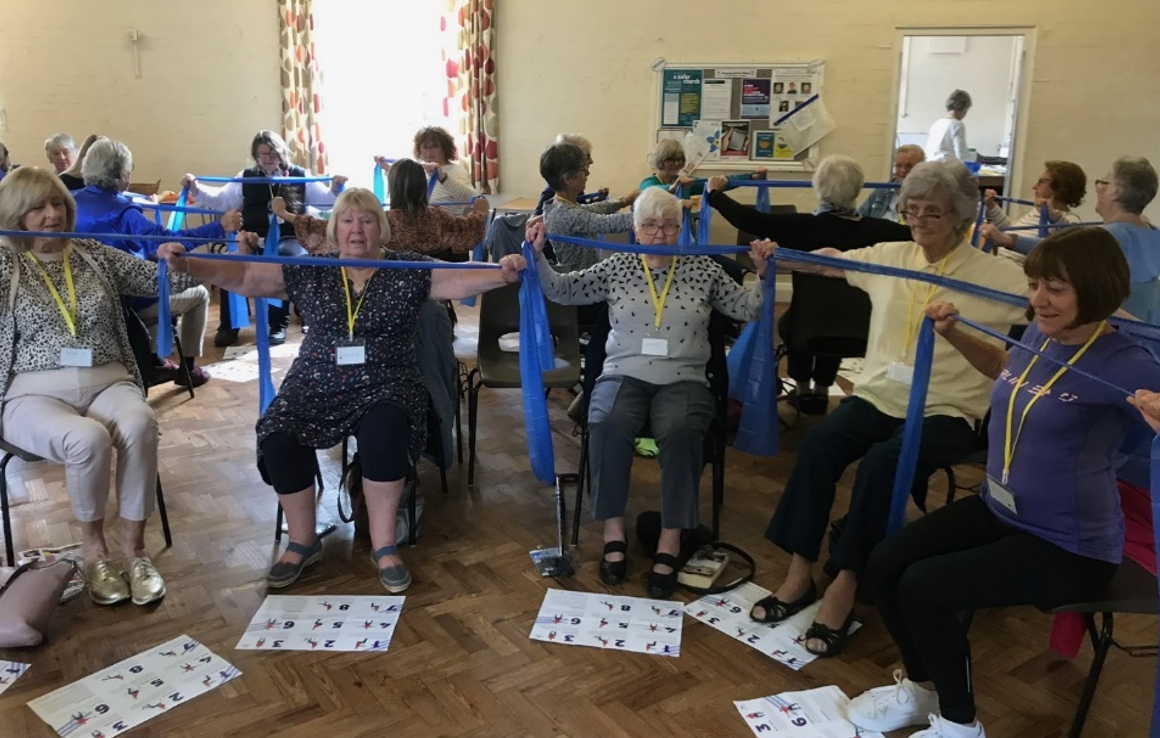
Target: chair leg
(459,420)
(278,524)
(182,366)
(581,480)
(1100,645)
(718,485)
(9,546)
(441,462)
(164,514)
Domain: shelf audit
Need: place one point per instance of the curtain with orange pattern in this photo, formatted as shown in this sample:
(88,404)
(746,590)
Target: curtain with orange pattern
(301,85)
(470,105)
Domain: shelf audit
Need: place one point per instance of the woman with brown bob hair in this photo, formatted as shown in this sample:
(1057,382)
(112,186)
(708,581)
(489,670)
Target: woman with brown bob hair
(1061,187)
(1046,528)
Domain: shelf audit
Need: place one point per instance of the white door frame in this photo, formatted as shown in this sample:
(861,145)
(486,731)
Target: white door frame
(1023,104)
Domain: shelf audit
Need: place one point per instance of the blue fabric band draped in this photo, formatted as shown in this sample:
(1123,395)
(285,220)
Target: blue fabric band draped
(763,200)
(264,180)
(912,432)
(434,180)
(160,207)
(239,308)
(177,219)
(164,319)
(1043,220)
(704,221)
(379,187)
(270,248)
(975,235)
(536,356)
(757,432)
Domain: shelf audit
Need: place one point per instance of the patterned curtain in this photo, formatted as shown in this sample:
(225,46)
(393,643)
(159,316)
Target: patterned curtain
(301,85)
(470,105)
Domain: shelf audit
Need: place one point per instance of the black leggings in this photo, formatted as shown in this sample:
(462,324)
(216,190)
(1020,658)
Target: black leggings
(803,366)
(958,559)
(383,435)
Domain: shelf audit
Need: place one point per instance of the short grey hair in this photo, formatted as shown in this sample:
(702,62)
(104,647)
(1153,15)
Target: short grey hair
(948,179)
(1134,178)
(667,148)
(958,101)
(576,140)
(838,181)
(59,141)
(106,161)
(656,203)
(913,149)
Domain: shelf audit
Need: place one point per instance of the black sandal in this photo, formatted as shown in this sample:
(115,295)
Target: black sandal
(777,611)
(612,572)
(835,640)
(662,586)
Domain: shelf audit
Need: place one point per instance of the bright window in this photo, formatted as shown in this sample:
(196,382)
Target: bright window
(383,79)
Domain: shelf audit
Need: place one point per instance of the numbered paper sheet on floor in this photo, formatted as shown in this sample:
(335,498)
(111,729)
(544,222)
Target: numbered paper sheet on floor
(616,623)
(815,713)
(128,693)
(729,613)
(10,671)
(323,623)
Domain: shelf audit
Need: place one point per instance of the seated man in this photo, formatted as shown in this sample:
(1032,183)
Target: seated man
(884,203)
(940,201)
(103,208)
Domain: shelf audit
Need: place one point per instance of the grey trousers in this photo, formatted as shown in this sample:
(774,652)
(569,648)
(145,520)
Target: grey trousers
(678,416)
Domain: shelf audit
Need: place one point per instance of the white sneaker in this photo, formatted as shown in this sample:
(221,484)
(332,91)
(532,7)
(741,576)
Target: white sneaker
(940,728)
(899,705)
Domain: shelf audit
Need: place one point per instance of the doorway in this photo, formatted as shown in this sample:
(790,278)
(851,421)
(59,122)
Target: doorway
(990,65)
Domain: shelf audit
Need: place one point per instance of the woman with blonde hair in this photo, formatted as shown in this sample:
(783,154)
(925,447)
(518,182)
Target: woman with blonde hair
(72,390)
(354,376)
(668,161)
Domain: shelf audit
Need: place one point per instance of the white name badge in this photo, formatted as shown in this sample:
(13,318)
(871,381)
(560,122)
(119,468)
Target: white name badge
(1001,494)
(351,354)
(76,357)
(655,347)
(901,373)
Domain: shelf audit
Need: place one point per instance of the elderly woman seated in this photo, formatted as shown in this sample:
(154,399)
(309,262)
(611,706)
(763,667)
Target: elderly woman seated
(73,177)
(72,389)
(1121,197)
(564,166)
(940,201)
(668,159)
(415,225)
(102,207)
(435,149)
(838,182)
(61,151)
(583,198)
(884,203)
(1046,528)
(355,375)
(658,347)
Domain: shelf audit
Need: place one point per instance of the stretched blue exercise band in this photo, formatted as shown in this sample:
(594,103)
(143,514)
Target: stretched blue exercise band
(757,431)
(177,219)
(803,184)
(1044,227)
(434,180)
(379,187)
(239,306)
(164,327)
(536,357)
(263,180)
(704,221)
(162,207)
(1044,220)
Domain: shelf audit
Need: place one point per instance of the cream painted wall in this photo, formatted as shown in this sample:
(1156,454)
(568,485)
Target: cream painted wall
(585,67)
(209,80)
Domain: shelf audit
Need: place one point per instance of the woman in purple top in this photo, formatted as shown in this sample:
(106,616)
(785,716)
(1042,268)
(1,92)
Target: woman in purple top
(1047,528)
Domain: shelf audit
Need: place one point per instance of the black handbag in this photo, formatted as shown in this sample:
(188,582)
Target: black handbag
(648,532)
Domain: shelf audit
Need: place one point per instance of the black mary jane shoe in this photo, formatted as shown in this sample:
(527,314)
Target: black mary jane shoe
(776,611)
(612,572)
(662,586)
(835,640)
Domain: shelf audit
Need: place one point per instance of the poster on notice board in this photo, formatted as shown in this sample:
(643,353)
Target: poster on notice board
(681,104)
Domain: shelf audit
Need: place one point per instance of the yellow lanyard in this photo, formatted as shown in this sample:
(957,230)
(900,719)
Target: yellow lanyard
(1010,443)
(658,302)
(68,313)
(351,309)
(911,323)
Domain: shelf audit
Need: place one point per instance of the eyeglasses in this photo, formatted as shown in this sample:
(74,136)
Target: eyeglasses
(266,155)
(651,229)
(674,162)
(1102,183)
(914,215)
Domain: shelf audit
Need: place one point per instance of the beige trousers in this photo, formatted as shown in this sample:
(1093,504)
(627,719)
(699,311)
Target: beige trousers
(76,417)
(193,307)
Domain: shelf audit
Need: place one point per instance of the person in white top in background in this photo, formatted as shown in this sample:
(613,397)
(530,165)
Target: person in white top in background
(948,136)
(435,150)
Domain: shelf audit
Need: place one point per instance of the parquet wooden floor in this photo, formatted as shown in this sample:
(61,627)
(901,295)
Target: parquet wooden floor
(461,664)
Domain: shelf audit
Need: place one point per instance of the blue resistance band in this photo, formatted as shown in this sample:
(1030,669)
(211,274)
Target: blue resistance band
(536,357)
(378,186)
(170,208)
(434,180)
(765,184)
(1016,200)
(757,431)
(1044,220)
(177,219)
(263,180)
(1042,228)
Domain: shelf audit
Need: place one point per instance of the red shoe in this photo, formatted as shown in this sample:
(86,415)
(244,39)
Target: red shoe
(197,377)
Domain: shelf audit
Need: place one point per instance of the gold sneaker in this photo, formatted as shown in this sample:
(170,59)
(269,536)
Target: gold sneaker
(107,585)
(146,584)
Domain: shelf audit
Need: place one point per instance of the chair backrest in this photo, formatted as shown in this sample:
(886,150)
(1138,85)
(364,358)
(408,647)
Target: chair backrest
(139,340)
(499,315)
(145,188)
(505,235)
(828,317)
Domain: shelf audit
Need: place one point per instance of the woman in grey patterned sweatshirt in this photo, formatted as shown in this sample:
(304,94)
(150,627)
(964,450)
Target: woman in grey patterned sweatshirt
(657,350)
(565,168)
